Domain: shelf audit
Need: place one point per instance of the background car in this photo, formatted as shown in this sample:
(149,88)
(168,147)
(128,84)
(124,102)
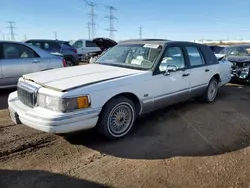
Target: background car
(17,59)
(239,56)
(216,49)
(56,46)
(104,44)
(84,47)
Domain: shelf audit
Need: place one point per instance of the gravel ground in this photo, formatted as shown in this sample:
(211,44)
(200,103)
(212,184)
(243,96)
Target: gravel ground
(187,145)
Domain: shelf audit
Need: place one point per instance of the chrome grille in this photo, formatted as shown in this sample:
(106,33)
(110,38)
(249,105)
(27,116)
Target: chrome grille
(27,94)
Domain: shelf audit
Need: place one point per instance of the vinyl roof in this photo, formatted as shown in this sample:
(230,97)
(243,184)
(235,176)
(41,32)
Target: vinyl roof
(143,41)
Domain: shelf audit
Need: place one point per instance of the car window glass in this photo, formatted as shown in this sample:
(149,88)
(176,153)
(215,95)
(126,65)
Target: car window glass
(77,44)
(90,44)
(16,51)
(195,57)
(173,56)
(51,46)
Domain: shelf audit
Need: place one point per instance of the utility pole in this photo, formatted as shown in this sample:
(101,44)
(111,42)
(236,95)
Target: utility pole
(3,35)
(111,19)
(140,32)
(92,16)
(25,37)
(11,27)
(89,30)
(55,33)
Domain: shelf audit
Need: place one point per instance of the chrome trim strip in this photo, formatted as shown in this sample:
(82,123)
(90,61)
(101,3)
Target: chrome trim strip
(94,112)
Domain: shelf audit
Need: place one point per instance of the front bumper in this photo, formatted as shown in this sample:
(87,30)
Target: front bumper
(49,121)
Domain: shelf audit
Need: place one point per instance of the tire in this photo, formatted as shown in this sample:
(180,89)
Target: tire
(211,91)
(69,62)
(116,109)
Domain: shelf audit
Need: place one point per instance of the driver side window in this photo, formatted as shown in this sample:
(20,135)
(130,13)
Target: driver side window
(173,56)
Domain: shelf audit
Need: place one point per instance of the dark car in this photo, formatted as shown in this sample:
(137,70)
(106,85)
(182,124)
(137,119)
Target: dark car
(57,46)
(216,49)
(104,44)
(239,56)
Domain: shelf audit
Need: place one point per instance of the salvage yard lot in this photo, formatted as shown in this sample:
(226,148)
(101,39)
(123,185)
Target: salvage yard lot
(187,145)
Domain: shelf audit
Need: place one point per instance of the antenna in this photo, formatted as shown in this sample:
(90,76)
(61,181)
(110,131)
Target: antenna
(11,27)
(111,19)
(92,16)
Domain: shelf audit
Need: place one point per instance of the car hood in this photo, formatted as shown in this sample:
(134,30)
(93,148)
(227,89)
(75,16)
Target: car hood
(239,59)
(64,79)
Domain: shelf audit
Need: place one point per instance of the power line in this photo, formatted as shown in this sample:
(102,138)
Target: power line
(92,17)
(11,27)
(140,32)
(111,19)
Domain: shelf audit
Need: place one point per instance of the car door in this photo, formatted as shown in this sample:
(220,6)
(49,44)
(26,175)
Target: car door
(79,46)
(199,71)
(173,86)
(18,59)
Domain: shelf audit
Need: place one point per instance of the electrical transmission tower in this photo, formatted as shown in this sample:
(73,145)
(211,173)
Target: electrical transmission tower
(111,19)
(89,30)
(55,34)
(11,27)
(92,16)
(140,32)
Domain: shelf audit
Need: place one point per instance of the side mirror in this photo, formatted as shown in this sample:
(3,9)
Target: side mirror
(169,69)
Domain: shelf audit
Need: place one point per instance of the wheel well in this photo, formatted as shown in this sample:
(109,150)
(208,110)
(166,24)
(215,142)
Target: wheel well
(132,97)
(217,77)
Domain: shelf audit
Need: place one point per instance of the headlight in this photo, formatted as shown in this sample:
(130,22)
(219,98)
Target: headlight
(63,104)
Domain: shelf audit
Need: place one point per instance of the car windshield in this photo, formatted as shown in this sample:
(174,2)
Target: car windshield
(136,56)
(237,51)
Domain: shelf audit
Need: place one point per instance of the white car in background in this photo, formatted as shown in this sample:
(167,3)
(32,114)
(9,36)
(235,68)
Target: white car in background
(84,46)
(132,78)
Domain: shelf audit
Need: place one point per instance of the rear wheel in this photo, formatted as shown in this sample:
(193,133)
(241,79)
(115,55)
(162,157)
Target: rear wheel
(211,91)
(69,62)
(117,118)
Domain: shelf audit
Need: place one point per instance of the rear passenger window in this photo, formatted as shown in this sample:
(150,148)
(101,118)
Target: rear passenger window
(195,57)
(17,51)
(51,46)
(90,44)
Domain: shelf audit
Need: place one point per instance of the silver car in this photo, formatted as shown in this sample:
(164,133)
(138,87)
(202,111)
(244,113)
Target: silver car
(17,59)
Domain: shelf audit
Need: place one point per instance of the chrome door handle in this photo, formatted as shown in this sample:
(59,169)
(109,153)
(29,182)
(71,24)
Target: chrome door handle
(36,61)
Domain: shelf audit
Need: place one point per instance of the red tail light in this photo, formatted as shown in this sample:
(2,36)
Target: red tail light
(74,50)
(64,63)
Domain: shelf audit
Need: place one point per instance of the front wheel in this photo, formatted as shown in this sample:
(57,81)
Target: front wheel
(211,91)
(117,118)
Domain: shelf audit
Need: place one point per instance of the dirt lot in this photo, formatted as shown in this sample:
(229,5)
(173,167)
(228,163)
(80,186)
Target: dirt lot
(188,145)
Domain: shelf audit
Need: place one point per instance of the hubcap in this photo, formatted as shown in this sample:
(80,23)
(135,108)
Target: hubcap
(120,119)
(212,91)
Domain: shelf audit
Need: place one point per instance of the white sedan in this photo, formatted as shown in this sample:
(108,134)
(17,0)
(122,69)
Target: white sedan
(133,78)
